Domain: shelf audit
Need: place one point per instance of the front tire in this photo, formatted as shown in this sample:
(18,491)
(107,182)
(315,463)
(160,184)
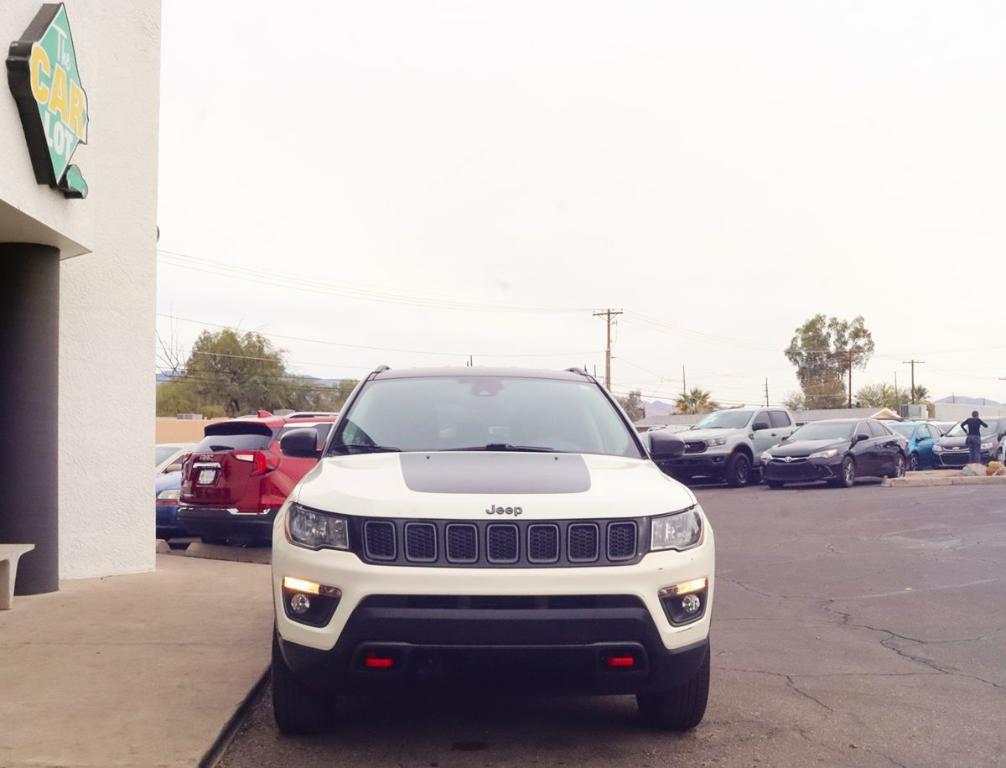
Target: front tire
(913,463)
(297,708)
(738,470)
(679,709)
(899,466)
(847,473)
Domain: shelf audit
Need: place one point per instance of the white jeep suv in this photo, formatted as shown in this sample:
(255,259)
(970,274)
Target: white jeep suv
(496,528)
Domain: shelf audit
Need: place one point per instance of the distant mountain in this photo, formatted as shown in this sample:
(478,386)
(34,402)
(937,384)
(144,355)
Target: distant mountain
(965,400)
(656,408)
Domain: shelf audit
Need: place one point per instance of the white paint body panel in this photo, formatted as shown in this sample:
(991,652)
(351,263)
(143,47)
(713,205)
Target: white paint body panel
(372,485)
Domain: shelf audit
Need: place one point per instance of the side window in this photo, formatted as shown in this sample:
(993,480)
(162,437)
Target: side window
(877,429)
(863,429)
(780,419)
(930,432)
(760,418)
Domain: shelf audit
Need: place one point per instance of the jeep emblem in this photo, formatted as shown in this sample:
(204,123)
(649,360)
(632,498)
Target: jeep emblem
(494,510)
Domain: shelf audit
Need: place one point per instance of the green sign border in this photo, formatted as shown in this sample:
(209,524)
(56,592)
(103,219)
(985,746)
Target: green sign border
(70,182)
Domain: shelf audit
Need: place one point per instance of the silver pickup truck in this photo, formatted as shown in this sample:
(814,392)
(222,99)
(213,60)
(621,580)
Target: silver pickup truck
(727,445)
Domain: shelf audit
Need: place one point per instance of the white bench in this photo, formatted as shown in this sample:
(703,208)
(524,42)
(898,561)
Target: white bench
(9,556)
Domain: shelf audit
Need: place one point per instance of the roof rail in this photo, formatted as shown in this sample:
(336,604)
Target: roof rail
(581,371)
(377,371)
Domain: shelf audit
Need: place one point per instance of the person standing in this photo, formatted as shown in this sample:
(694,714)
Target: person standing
(973,428)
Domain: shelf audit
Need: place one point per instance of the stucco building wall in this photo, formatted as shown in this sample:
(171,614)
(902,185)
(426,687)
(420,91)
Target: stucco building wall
(108,291)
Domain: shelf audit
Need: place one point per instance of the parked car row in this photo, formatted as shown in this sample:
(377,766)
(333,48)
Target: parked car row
(742,446)
(229,486)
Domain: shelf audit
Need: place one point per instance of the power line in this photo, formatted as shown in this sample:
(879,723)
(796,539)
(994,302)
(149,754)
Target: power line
(359,292)
(396,350)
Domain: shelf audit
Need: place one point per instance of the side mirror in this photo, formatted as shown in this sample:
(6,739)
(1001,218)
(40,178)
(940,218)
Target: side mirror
(301,443)
(922,438)
(859,438)
(759,426)
(664,445)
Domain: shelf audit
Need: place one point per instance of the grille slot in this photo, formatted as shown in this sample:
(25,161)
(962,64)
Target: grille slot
(502,543)
(543,543)
(421,542)
(379,540)
(583,543)
(621,541)
(462,543)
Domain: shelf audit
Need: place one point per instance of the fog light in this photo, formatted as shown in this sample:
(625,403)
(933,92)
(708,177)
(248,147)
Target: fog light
(690,604)
(300,603)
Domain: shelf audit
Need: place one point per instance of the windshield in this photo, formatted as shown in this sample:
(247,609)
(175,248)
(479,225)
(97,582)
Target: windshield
(823,430)
(958,430)
(725,420)
(903,429)
(446,413)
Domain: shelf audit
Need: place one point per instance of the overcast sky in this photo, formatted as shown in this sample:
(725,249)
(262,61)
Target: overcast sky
(441,176)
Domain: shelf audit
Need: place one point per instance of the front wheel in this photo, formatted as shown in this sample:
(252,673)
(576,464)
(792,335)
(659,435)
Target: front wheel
(738,470)
(297,708)
(913,463)
(847,473)
(679,709)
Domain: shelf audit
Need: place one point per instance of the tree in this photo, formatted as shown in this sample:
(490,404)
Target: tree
(233,373)
(878,396)
(824,350)
(633,405)
(921,394)
(695,401)
(794,401)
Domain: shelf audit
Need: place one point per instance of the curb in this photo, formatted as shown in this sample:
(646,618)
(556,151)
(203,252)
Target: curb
(927,482)
(260,555)
(229,730)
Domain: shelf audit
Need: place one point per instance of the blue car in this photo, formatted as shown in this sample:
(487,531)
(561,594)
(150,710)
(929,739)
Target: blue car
(921,439)
(167,488)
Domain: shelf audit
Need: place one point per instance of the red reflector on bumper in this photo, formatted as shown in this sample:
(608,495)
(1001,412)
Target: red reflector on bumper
(378,662)
(621,662)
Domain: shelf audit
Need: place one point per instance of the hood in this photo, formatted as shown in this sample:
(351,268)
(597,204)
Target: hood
(706,434)
(957,442)
(169,481)
(807,447)
(462,485)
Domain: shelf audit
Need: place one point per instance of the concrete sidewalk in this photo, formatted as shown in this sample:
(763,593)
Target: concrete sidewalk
(141,670)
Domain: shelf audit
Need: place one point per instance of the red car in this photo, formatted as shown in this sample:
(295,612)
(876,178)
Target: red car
(236,479)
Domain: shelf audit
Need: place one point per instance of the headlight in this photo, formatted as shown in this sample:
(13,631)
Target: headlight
(317,530)
(716,441)
(169,495)
(828,454)
(938,448)
(678,531)
(766,457)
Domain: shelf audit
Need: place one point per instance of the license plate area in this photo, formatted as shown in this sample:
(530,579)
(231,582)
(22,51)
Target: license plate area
(206,477)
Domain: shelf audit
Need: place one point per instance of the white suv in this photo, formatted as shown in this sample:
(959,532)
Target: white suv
(495,528)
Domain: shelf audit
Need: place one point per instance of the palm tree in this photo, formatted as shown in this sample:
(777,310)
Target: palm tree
(921,394)
(695,401)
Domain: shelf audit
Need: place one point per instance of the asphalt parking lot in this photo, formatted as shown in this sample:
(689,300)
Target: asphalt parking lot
(859,627)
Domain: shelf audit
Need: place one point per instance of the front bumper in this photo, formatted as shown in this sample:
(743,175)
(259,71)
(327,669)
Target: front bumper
(218,522)
(958,458)
(802,470)
(467,625)
(704,464)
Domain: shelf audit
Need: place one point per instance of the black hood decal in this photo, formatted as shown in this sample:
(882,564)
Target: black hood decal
(495,472)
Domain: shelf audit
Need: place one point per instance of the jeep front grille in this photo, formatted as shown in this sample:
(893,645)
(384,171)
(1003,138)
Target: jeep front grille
(500,544)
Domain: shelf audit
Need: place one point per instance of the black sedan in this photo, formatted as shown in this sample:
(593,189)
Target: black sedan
(837,451)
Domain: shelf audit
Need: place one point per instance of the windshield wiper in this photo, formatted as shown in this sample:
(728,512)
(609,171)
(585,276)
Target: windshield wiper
(507,447)
(357,448)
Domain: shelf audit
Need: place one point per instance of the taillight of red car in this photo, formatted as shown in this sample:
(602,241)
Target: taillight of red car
(261,461)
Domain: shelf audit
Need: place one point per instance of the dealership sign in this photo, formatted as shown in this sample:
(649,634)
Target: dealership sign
(42,73)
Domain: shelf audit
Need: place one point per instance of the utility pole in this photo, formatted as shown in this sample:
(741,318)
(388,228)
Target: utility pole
(850,378)
(608,314)
(766,391)
(913,363)
(896,388)
(684,384)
